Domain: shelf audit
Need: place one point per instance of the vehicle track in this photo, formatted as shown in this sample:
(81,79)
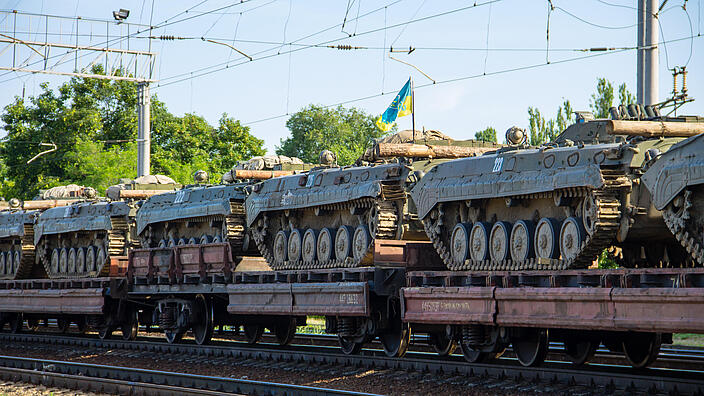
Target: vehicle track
(600,378)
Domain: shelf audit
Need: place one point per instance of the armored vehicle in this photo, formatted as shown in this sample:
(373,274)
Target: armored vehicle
(329,217)
(78,240)
(17,232)
(204,213)
(557,206)
(676,181)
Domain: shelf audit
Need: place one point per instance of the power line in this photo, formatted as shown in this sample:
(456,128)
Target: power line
(225,65)
(479,75)
(122,38)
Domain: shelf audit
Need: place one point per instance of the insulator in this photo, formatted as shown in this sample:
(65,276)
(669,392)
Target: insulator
(684,81)
(674,84)
(167,37)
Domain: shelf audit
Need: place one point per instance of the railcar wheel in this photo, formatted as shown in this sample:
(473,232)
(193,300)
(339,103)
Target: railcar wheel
(3,266)
(294,245)
(531,346)
(441,343)
(285,331)
(173,336)
(361,241)
(642,349)
(253,333)
(105,332)
(16,321)
(63,324)
(192,241)
(325,245)
(499,241)
(547,237)
(63,260)
(33,324)
(349,346)
(163,243)
(459,243)
(205,238)
(396,339)
(281,247)
(72,261)
(130,327)
(522,241)
(309,248)
(580,351)
(171,242)
(572,235)
(90,258)
(343,242)
(479,241)
(54,261)
(81,260)
(217,239)
(471,355)
(203,327)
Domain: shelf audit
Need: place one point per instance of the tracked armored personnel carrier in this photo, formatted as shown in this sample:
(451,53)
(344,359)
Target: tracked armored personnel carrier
(78,240)
(17,233)
(557,206)
(329,217)
(676,181)
(204,213)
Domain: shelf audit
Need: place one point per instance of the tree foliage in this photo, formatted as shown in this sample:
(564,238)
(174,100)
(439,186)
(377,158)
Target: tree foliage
(94,126)
(344,131)
(544,130)
(486,135)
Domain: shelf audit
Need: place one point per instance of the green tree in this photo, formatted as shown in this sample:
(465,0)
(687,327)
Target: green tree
(486,135)
(94,126)
(344,131)
(625,97)
(544,130)
(603,99)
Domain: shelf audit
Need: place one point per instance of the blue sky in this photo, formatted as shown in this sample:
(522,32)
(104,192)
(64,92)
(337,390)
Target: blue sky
(451,47)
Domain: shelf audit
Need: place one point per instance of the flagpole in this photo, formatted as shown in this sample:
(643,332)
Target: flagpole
(413,110)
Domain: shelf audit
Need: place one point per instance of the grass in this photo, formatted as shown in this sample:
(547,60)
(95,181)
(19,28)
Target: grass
(688,339)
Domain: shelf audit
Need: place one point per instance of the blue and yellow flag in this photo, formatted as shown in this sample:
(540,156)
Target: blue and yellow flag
(401,106)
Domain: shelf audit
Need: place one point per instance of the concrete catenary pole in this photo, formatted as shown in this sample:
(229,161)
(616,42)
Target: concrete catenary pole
(143,129)
(647,69)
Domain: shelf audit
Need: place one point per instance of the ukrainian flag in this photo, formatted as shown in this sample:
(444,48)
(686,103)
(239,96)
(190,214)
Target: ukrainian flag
(401,106)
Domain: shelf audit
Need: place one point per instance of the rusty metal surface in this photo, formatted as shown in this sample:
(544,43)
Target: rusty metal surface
(659,309)
(177,264)
(408,254)
(450,305)
(349,299)
(557,307)
(655,300)
(66,301)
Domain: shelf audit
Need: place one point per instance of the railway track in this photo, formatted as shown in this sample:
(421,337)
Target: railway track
(134,381)
(608,378)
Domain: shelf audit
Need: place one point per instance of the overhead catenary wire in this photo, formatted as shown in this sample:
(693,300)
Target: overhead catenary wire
(475,76)
(225,65)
